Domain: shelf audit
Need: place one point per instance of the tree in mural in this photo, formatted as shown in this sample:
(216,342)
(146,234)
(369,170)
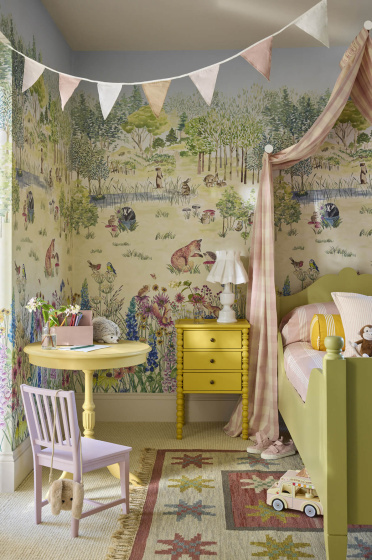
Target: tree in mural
(286,210)
(16,199)
(198,142)
(158,144)
(302,169)
(80,212)
(182,123)
(142,126)
(171,137)
(350,122)
(135,99)
(230,207)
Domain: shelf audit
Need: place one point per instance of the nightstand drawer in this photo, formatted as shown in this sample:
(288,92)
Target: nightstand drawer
(212,339)
(212,360)
(213,381)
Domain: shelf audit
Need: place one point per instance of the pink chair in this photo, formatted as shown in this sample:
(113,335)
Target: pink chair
(39,407)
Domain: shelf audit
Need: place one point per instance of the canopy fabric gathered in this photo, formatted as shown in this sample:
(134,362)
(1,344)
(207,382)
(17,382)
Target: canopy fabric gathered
(355,81)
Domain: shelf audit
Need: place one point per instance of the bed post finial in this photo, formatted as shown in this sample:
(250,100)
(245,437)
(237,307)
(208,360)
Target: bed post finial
(334,345)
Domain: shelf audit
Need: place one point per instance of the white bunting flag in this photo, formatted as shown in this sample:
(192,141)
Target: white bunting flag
(205,81)
(32,73)
(315,22)
(156,93)
(108,94)
(260,56)
(67,86)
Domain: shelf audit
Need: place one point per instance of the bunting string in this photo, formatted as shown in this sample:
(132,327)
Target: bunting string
(314,22)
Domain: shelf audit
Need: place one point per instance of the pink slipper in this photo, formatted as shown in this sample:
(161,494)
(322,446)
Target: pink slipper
(260,445)
(279,449)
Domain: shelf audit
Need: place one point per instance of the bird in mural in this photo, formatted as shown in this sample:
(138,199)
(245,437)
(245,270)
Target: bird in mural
(110,268)
(296,264)
(94,267)
(143,291)
(313,265)
(153,276)
(24,272)
(17,268)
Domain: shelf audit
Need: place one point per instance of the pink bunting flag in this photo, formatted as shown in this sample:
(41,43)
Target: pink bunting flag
(32,73)
(67,86)
(259,56)
(156,93)
(108,94)
(205,81)
(315,22)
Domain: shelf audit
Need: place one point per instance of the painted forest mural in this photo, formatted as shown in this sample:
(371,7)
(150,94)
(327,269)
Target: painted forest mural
(124,215)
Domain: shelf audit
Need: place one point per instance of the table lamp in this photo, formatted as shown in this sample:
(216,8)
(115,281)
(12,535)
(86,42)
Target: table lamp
(228,269)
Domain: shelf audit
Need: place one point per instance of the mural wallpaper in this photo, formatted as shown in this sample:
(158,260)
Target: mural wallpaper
(124,216)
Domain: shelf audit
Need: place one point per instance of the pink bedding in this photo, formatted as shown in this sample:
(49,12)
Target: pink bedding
(299,359)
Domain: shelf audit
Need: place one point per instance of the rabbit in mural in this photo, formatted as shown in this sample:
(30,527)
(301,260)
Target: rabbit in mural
(159,178)
(185,188)
(363,173)
(48,259)
(221,183)
(180,258)
(238,225)
(30,207)
(210,180)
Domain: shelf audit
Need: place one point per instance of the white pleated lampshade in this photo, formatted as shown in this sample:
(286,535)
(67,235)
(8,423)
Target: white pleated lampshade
(228,268)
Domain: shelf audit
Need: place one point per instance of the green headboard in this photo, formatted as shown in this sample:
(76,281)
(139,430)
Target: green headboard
(346,281)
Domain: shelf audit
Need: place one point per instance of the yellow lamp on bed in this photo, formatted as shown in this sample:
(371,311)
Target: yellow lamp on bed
(228,269)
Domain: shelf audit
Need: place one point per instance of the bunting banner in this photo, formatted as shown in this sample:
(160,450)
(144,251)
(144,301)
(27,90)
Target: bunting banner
(108,94)
(67,86)
(315,22)
(205,81)
(156,93)
(259,56)
(32,73)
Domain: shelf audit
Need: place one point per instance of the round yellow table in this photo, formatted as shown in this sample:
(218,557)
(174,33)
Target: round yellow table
(124,354)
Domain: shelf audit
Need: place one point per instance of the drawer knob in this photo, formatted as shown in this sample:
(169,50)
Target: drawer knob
(211,382)
(213,340)
(211,361)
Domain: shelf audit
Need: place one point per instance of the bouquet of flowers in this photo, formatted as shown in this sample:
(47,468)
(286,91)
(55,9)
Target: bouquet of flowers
(50,313)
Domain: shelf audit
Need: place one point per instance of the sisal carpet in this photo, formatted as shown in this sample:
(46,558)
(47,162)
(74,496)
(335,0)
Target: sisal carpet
(201,503)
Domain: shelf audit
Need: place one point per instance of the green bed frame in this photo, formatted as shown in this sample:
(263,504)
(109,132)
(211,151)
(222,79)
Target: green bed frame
(332,430)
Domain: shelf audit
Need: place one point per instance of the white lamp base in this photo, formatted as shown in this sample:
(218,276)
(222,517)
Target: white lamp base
(227,314)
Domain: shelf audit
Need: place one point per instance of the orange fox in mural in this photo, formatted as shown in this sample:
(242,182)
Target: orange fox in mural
(180,258)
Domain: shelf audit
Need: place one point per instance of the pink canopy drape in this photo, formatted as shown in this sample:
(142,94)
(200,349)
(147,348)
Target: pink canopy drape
(355,81)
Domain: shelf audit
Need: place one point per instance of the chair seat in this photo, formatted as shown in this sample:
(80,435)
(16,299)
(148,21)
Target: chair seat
(95,453)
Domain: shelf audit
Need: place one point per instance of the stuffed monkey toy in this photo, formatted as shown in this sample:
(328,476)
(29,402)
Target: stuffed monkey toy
(366,342)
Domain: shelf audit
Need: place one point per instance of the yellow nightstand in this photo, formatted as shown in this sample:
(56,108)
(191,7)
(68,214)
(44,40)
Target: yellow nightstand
(212,358)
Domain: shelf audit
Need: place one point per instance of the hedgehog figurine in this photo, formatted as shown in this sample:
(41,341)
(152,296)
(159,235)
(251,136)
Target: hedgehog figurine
(105,330)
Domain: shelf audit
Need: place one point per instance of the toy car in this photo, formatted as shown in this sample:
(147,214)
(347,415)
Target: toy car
(294,490)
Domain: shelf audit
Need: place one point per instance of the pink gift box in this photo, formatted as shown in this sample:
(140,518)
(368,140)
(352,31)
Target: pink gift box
(76,336)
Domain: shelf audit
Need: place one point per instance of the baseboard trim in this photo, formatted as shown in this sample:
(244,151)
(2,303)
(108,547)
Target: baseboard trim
(155,407)
(15,466)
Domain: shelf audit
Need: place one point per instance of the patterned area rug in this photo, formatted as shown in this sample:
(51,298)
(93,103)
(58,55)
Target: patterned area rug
(198,503)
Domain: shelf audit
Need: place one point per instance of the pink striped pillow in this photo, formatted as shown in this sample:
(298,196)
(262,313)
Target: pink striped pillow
(356,312)
(295,326)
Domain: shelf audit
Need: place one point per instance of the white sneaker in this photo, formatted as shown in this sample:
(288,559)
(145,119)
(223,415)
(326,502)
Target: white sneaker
(279,449)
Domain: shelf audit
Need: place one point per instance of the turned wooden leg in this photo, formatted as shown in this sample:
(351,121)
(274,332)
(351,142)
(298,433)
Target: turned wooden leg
(245,383)
(180,395)
(89,416)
